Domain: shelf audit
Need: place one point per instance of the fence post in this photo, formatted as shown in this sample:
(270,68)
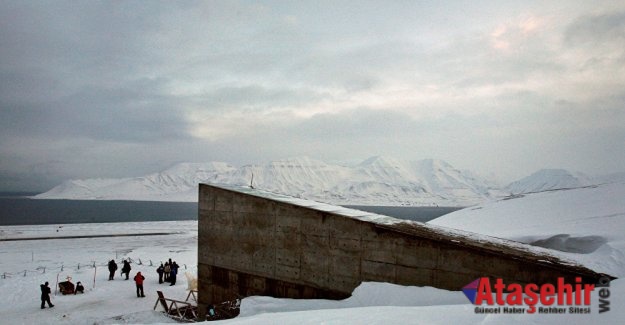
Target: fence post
(151,263)
(79,266)
(24,272)
(139,261)
(61,267)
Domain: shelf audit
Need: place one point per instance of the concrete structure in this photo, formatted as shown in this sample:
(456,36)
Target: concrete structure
(257,243)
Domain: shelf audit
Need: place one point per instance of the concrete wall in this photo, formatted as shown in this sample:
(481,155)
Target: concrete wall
(251,245)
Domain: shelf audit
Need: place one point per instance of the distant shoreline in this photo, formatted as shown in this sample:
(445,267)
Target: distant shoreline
(25,211)
(89,236)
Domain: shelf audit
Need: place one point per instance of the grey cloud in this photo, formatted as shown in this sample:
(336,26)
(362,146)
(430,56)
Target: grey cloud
(257,96)
(360,132)
(82,69)
(356,124)
(28,86)
(123,114)
(76,35)
(11,181)
(593,30)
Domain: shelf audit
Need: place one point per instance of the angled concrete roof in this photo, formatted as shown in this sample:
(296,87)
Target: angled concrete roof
(499,246)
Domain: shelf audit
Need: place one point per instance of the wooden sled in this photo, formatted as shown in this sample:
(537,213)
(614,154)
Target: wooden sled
(66,288)
(176,309)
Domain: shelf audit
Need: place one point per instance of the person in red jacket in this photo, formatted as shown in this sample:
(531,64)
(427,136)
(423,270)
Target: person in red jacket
(139,281)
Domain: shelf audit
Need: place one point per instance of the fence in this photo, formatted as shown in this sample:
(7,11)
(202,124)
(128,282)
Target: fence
(82,266)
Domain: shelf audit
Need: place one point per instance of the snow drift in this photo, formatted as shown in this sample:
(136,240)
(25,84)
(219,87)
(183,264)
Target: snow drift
(584,224)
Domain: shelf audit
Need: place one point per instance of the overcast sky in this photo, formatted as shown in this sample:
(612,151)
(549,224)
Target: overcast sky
(125,88)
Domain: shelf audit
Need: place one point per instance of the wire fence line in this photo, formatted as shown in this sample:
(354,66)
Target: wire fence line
(75,267)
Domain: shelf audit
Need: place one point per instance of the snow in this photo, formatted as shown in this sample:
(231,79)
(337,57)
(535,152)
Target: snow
(104,302)
(115,302)
(368,294)
(591,212)
(585,224)
(347,212)
(549,179)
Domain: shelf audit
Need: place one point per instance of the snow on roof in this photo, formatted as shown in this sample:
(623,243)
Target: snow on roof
(335,209)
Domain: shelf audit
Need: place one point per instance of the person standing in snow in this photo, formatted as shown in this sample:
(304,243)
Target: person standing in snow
(45,296)
(126,269)
(112,269)
(160,270)
(139,282)
(167,270)
(173,273)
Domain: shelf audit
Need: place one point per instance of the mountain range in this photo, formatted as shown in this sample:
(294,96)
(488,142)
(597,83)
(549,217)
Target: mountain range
(375,181)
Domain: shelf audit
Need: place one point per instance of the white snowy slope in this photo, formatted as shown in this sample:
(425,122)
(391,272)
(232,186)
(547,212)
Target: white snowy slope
(549,179)
(586,224)
(376,181)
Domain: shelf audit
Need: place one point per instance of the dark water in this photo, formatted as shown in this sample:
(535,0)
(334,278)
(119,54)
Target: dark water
(16,210)
(421,214)
(22,211)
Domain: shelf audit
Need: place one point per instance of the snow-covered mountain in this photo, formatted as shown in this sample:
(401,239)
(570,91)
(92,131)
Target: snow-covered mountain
(375,181)
(549,179)
(178,183)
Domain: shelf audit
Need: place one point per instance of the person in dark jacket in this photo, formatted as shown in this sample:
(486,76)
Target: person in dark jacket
(79,288)
(173,273)
(126,268)
(45,296)
(112,269)
(160,270)
(139,282)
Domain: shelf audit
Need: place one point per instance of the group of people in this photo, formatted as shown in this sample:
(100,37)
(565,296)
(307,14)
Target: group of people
(168,272)
(113,267)
(126,270)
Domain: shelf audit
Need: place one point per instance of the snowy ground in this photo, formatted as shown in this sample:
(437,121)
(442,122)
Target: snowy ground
(105,302)
(590,220)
